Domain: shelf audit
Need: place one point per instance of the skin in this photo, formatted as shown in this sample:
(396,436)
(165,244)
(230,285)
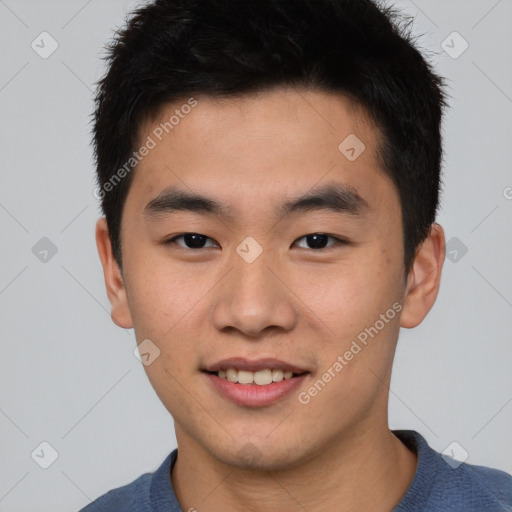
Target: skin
(294,302)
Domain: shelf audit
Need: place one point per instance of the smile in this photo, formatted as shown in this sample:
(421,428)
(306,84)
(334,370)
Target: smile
(261,377)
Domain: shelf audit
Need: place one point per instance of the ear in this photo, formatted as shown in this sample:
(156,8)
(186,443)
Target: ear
(114,283)
(424,278)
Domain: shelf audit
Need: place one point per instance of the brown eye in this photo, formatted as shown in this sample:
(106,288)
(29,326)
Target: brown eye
(320,241)
(191,241)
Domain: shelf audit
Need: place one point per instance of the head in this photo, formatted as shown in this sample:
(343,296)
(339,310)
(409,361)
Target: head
(256,125)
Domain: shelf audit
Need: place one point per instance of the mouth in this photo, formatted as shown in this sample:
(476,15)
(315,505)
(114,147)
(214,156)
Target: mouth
(262,377)
(254,383)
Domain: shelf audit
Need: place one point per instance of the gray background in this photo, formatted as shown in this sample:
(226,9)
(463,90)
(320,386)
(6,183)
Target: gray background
(68,375)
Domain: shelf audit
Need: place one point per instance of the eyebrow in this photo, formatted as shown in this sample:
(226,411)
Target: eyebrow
(332,197)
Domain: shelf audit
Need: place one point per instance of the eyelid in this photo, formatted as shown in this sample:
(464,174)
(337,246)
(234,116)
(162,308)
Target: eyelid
(337,241)
(172,240)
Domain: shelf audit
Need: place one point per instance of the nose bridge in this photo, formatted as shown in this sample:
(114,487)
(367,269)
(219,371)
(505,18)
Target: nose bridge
(254,282)
(251,298)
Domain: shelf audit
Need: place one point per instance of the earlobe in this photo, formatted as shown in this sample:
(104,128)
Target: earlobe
(114,283)
(424,278)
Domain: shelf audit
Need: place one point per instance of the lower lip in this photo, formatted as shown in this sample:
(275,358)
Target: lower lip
(253,395)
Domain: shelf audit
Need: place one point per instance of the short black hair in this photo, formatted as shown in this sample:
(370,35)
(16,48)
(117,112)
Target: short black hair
(174,49)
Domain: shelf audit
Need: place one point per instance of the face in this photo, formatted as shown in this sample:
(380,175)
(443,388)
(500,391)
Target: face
(290,261)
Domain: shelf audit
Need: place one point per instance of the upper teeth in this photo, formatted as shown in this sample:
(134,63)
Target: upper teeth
(261,377)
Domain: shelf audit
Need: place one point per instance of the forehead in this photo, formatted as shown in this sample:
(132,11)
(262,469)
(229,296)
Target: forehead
(251,151)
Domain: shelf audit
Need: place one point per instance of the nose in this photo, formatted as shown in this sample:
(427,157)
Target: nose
(253,298)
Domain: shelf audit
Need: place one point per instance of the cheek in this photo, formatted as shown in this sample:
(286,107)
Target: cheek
(347,297)
(160,294)
(167,303)
(360,304)
(165,308)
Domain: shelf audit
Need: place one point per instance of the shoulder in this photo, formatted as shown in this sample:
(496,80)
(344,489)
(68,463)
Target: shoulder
(483,486)
(137,495)
(443,484)
(124,498)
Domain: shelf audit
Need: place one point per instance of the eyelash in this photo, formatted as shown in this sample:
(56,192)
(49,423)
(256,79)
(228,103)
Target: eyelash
(338,241)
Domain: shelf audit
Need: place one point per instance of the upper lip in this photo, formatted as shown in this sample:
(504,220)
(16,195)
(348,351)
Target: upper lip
(253,365)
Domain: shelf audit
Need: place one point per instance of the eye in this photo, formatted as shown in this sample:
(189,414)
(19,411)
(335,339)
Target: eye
(191,241)
(316,241)
(320,241)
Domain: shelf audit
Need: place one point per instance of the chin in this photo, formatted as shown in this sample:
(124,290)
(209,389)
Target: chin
(259,456)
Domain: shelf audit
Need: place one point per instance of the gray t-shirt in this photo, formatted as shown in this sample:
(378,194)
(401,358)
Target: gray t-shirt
(438,486)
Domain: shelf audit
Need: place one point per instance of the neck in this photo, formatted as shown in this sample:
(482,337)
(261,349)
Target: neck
(369,469)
